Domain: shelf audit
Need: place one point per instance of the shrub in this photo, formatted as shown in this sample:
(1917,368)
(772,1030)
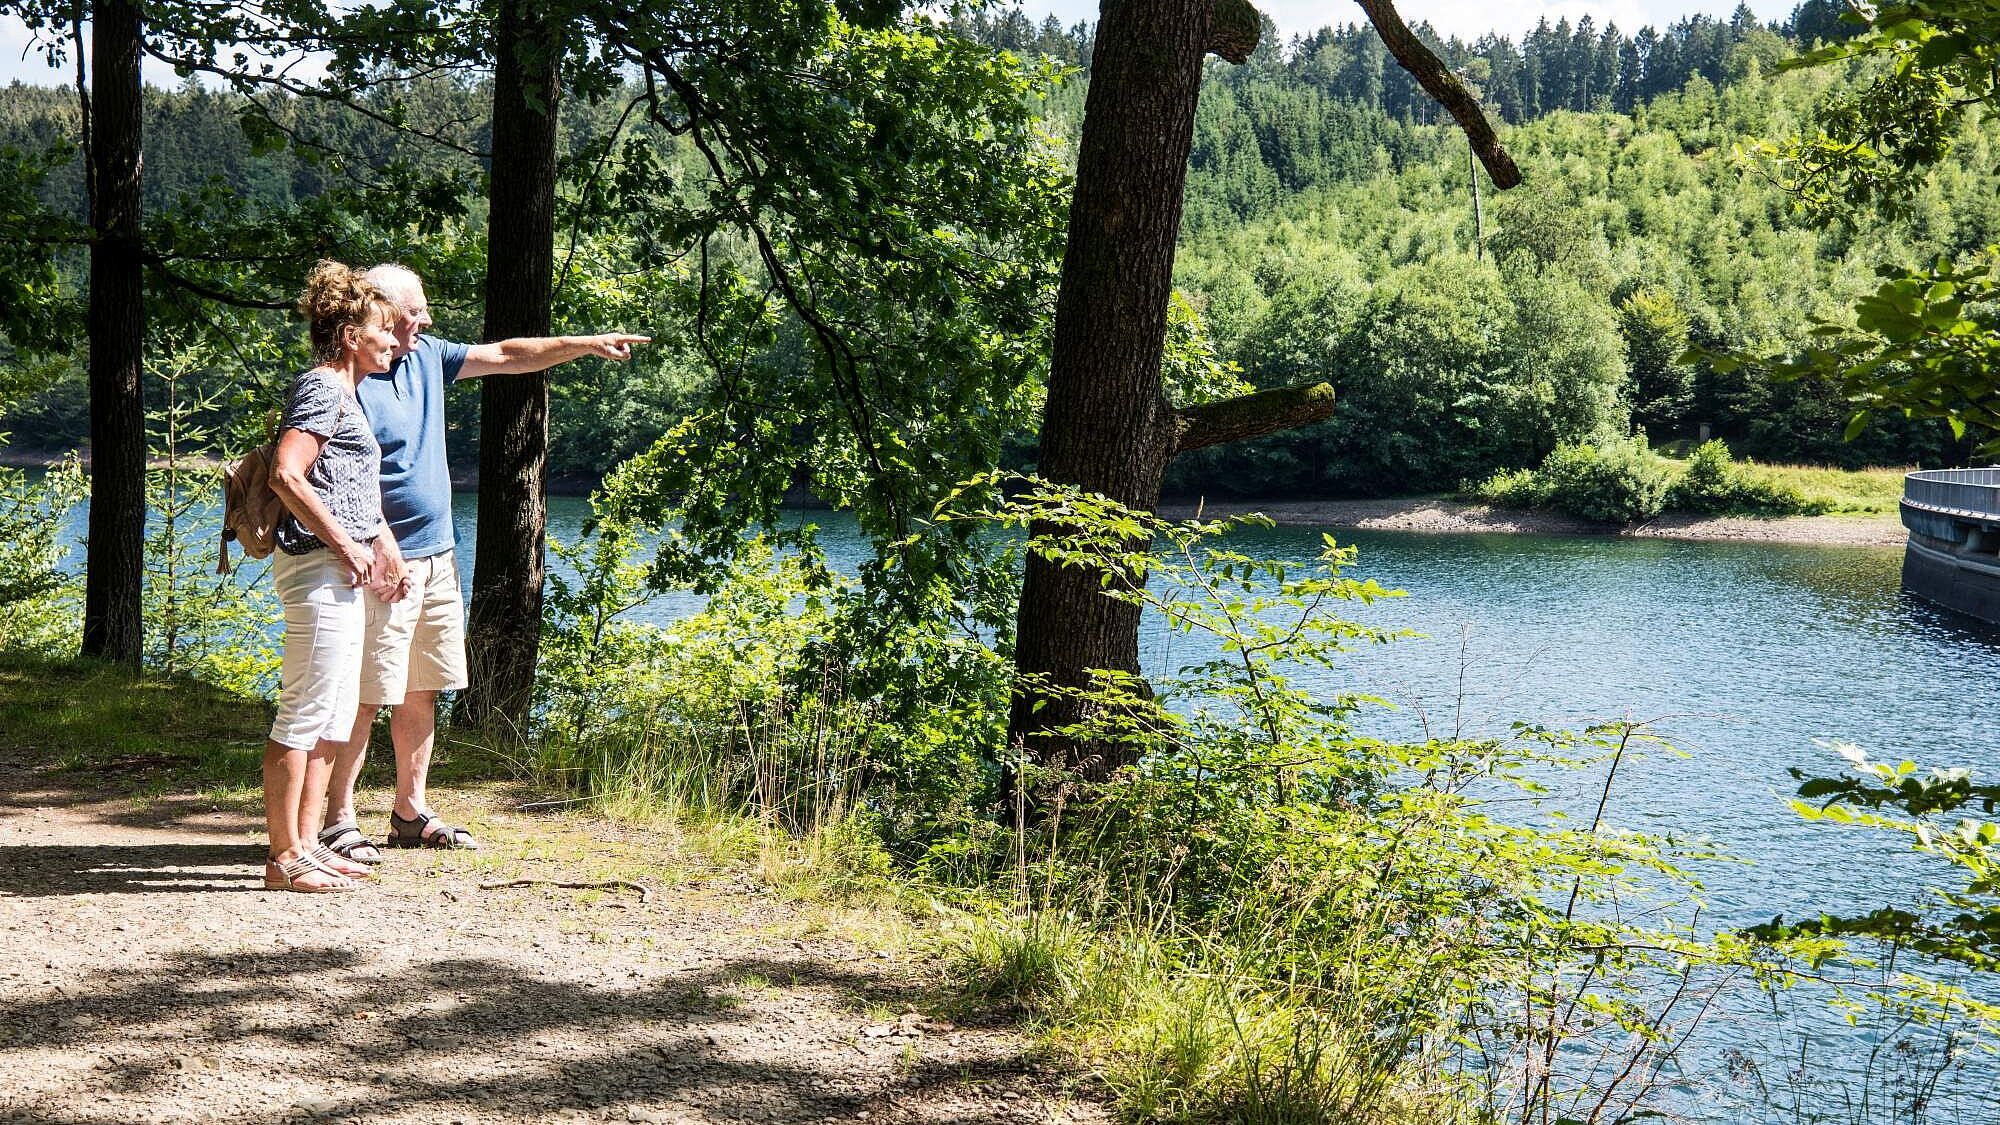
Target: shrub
(1270,918)
(1513,488)
(1707,485)
(1613,482)
(1713,482)
(37,593)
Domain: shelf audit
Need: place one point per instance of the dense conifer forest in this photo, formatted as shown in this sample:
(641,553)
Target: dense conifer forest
(1330,231)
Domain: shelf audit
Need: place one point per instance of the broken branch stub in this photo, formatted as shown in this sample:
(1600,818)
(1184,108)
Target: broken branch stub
(1252,415)
(1234,27)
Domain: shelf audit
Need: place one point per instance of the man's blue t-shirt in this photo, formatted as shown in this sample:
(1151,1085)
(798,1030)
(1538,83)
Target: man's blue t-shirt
(406,409)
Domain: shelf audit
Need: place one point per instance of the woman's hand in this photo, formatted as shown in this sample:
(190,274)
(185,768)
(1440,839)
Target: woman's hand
(359,561)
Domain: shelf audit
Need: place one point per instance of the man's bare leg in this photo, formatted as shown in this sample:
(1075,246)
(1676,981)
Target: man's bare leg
(413,728)
(347,768)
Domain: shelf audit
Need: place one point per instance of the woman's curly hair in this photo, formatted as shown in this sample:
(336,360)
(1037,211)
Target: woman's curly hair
(337,297)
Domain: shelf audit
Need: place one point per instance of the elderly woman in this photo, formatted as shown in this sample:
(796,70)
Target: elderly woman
(325,471)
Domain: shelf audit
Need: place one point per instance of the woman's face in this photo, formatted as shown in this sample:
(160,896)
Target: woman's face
(374,345)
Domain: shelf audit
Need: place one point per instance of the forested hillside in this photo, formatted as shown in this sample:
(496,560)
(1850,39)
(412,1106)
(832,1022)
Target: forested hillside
(1329,233)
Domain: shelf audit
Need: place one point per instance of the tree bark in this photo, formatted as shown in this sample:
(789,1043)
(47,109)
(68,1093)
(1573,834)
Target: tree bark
(1107,427)
(1250,416)
(113,627)
(504,630)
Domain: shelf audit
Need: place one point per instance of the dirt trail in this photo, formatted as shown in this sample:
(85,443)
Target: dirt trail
(148,977)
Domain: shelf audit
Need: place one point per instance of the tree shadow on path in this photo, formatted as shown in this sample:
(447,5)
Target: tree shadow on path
(56,870)
(480,1039)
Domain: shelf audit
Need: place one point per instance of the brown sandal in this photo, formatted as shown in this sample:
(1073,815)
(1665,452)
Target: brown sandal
(425,830)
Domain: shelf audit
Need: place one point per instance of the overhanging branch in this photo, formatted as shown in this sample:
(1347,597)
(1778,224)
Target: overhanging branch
(1434,76)
(1253,415)
(160,266)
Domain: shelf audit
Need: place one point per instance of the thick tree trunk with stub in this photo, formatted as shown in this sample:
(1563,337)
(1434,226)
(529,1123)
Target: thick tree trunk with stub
(1108,427)
(113,625)
(504,628)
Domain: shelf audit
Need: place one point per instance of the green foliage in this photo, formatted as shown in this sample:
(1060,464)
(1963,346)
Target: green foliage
(1271,915)
(199,624)
(1190,369)
(38,596)
(1929,67)
(1656,331)
(777,697)
(1713,483)
(1958,924)
(1307,208)
(1615,482)
(1624,481)
(1925,343)
(1635,239)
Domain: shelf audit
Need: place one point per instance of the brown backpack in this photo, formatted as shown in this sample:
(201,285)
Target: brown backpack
(250,508)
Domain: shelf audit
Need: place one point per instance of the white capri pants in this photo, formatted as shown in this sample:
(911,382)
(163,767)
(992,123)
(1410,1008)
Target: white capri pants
(324,622)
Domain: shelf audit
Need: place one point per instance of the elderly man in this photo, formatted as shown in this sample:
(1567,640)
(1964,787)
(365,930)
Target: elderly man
(415,644)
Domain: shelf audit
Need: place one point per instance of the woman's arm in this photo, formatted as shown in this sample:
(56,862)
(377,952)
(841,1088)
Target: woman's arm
(297,450)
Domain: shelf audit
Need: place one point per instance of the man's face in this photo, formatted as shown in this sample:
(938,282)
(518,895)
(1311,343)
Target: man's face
(416,316)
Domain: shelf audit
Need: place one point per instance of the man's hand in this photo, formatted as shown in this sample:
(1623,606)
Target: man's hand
(613,345)
(392,578)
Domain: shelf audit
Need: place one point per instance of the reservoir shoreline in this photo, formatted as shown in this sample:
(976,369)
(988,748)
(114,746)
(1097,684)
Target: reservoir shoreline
(1441,515)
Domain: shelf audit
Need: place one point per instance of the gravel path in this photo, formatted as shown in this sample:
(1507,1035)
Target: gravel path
(149,977)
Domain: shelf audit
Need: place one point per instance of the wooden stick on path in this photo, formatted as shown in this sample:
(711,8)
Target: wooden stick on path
(645,894)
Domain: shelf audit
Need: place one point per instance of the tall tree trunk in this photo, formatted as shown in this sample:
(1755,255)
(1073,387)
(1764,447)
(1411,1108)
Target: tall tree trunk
(115,556)
(506,617)
(1107,426)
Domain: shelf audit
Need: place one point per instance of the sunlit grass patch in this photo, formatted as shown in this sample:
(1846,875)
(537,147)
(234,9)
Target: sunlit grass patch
(149,733)
(1176,1035)
(1836,491)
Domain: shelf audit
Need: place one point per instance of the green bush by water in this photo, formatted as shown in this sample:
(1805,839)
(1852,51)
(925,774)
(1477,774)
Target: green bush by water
(1613,482)
(1622,482)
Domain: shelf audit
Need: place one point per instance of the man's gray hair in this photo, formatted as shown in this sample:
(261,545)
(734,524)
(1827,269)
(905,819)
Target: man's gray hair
(397,281)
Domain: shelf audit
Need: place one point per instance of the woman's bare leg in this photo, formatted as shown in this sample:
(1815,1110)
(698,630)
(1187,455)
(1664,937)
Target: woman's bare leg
(312,796)
(284,783)
(285,788)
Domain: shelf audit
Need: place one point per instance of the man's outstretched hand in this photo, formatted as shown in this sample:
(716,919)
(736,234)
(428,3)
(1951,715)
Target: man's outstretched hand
(614,345)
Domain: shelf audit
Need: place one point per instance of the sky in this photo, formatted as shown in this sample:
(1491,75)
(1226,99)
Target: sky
(1293,17)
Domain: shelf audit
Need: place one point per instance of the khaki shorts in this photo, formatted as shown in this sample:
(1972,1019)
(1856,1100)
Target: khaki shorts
(417,644)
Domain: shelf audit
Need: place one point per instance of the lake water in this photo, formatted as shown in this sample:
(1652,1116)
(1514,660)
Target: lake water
(1747,655)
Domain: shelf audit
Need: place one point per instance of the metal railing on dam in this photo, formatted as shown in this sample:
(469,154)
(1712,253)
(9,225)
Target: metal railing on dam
(1953,557)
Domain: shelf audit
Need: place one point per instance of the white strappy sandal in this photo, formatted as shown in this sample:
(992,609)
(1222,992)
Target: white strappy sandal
(285,876)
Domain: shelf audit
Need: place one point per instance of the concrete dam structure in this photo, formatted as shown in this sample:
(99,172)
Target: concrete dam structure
(1953,557)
